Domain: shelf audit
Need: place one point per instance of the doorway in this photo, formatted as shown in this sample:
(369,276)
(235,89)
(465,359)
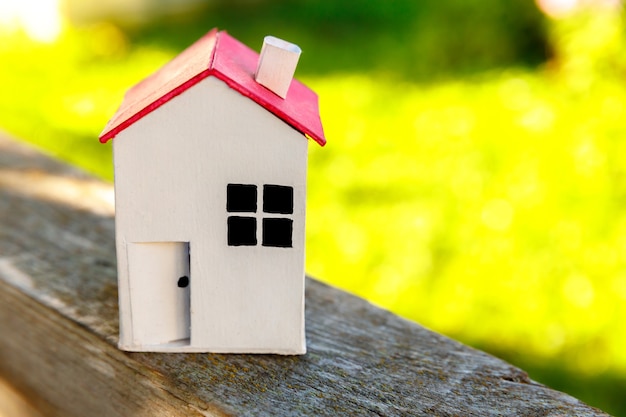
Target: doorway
(160,287)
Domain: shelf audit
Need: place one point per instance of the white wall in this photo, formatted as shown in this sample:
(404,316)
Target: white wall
(171,170)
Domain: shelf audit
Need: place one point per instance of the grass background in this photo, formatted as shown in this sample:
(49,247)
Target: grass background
(475,175)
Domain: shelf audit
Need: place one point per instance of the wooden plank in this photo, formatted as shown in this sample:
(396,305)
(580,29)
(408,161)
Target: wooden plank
(58,309)
(13,404)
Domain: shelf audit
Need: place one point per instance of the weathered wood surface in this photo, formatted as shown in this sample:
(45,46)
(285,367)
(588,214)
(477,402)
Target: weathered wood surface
(59,324)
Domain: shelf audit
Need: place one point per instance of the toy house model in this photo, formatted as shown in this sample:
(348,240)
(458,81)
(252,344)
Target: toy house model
(210,156)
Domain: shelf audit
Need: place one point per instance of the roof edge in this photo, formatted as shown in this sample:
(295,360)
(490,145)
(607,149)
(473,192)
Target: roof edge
(155,105)
(105,136)
(269,106)
(212,69)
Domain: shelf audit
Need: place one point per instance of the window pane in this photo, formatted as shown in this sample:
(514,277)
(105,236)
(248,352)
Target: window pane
(241,231)
(277,199)
(277,232)
(241,197)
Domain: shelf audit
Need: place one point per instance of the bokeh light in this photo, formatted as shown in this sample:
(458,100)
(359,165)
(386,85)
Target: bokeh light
(40,19)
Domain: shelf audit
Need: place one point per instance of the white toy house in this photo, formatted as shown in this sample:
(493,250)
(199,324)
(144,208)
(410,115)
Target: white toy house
(210,156)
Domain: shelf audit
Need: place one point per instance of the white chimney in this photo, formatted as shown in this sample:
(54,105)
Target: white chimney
(277,64)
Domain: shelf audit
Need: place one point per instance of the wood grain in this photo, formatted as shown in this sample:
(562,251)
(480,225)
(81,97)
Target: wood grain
(58,315)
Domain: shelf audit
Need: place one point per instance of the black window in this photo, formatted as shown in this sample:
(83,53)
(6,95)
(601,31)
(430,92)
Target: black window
(241,231)
(277,231)
(241,198)
(277,199)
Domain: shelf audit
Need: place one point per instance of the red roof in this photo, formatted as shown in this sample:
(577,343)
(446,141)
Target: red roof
(220,55)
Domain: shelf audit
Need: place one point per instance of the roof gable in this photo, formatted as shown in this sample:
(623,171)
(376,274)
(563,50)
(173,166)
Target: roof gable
(222,56)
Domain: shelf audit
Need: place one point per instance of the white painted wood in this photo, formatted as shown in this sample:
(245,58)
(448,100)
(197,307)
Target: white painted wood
(277,64)
(172,168)
(160,308)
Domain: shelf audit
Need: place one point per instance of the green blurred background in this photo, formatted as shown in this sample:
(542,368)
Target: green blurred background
(475,174)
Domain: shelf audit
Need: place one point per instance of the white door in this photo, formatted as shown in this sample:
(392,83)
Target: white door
(159,292)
